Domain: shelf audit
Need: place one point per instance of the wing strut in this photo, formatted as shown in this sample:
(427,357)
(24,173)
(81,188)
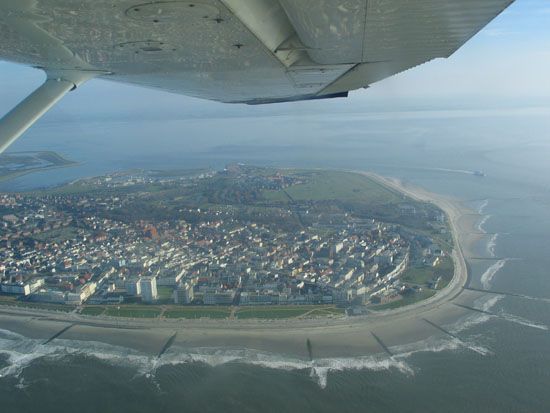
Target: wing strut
(23,116)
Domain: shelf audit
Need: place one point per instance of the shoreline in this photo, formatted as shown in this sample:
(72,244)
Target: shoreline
(61,162)
(370,334)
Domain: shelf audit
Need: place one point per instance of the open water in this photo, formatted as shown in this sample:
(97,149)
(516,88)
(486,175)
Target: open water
(504,367)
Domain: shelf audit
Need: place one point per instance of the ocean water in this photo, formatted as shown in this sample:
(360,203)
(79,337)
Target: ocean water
(497,363)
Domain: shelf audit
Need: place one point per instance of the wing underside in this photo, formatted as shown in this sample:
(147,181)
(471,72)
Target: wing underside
(254,51)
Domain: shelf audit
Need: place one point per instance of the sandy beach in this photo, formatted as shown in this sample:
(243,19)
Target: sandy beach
(374,333)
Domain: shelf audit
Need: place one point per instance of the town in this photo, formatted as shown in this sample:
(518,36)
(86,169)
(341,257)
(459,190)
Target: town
(243,236)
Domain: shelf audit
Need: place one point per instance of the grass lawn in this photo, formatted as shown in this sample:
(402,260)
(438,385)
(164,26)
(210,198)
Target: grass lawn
(327,185)
(423,275)
(57,235)
(418,275)
(408,299)
(165,294)
(92,310)
(197,312)
(133,311)
(325,311)
(445,270)
(282,311)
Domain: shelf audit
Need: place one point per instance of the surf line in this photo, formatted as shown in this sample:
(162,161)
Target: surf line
(506,317)
(528,297)
(493,258)
(59,333)
(453,336)
(478,310)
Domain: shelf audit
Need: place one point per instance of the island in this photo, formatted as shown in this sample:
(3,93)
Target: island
(246,242)
(221,253)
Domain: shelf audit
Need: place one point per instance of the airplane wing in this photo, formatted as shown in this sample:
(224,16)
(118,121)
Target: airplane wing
(238,51)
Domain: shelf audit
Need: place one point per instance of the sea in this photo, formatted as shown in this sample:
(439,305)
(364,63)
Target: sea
(505,369)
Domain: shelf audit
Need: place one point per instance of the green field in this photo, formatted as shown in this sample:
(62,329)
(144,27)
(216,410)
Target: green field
(57,235)
(423,275)
(281,311)
(92,310)
(219,312)
(407,300)
(165,294)
(336,185)
(197,312)
(134,311)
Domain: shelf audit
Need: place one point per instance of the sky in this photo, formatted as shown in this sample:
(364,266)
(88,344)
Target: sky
(506,64)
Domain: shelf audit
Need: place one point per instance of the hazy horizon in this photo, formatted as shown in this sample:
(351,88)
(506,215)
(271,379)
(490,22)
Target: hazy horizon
(504,66)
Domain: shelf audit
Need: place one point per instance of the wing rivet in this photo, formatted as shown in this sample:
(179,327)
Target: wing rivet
(172,11)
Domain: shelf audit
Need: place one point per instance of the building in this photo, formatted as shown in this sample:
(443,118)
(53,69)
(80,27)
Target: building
(22,288)
(257,298)
(184,294)
(219,297)
(133,287)
(148,287)
(16,288)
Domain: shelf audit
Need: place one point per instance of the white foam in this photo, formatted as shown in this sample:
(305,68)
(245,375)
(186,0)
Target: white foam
(523,321)
(10,335)
(482,206)
(22,352)
(438,344)
(430,345)
(482,222)
(319,368)
(489,274)
(487,302)
(491,245)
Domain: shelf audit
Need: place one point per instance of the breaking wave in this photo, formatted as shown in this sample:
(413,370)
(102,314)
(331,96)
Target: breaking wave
(490,273)
(20,352)
(482,222)
(491,245)
(522,321)
(482,206)
(484,303)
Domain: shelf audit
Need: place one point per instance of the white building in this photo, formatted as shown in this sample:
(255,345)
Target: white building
(133,287)
(148,289)
(22,288)
(16,288)
(184,294)
(219,297)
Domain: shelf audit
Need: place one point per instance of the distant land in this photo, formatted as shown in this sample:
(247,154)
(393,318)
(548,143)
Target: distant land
(14,164)
(244,242)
